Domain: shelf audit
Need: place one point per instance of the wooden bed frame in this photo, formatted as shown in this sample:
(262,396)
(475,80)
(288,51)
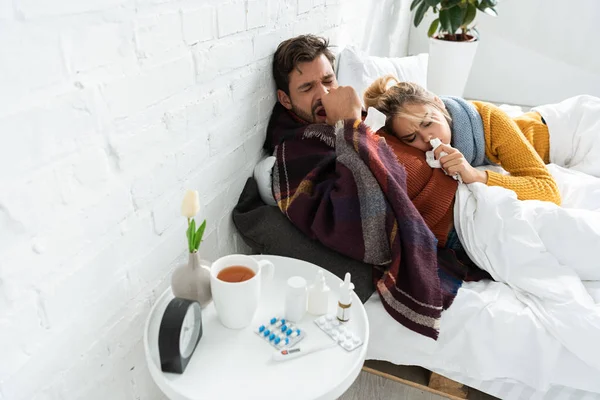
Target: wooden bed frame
(438,384)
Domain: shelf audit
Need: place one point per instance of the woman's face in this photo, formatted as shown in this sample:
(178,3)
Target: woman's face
(428,123)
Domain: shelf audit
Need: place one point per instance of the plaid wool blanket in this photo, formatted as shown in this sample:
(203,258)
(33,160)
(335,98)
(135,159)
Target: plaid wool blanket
(344,187)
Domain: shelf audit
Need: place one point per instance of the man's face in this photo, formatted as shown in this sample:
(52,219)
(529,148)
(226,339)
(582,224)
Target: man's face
(308,82)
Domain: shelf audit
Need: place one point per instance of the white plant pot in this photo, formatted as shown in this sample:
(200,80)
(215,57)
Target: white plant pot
(449,66)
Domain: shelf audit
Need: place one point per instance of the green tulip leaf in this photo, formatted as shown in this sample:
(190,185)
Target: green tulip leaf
(199,234)
(192,234)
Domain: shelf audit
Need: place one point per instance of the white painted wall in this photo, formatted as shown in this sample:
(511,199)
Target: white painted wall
(387,28)
(534,52)
(109,110)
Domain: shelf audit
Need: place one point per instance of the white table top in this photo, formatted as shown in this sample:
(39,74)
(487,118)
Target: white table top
(237,364)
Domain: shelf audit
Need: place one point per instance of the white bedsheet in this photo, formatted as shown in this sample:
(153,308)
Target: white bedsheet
(574,126)
(539,325)
(487,335)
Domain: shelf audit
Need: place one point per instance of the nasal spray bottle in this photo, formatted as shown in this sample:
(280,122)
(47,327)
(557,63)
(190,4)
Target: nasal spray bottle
(318,295)
(345,301)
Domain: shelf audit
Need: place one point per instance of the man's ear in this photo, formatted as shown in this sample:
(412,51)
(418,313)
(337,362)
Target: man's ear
(284,99)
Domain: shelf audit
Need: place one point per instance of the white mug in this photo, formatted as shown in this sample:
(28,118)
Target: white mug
(236,302)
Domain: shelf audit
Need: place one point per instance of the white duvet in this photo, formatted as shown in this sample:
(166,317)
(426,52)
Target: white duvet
(539,323)
(543,251)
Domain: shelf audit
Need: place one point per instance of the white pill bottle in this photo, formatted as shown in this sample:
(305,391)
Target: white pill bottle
(296,299)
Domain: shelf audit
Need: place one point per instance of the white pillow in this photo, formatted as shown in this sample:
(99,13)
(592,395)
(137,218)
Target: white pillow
(359,70)
(262,174)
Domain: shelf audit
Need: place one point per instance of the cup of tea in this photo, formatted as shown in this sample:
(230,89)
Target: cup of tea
(235,283)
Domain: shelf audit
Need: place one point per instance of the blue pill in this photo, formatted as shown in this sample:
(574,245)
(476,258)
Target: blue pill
(273,320)
(284,328)
(277,340)
(272,336)
(266,333)
(298,332)
(262,328)
(283,321)
(287,340)
(289,332)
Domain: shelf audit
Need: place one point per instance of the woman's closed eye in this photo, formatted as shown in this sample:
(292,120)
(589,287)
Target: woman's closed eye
(410,139)
(428,123)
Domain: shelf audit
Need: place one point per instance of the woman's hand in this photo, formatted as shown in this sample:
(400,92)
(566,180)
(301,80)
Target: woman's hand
(455,163)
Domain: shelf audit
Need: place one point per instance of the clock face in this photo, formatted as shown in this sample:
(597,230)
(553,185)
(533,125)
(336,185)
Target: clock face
(190,330)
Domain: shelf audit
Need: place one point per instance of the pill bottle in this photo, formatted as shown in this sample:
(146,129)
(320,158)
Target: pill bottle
(296,299)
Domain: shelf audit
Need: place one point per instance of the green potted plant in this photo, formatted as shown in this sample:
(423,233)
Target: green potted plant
(453,40)
(192,280)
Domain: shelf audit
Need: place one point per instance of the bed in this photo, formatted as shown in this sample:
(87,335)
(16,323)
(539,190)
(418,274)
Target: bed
(491,339)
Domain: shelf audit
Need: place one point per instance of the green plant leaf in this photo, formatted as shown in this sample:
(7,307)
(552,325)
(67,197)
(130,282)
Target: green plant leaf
(435,24)
(414,4)
(470,15)
(188,234)
(491,11)
(445,21)
(192,234)
(457,15)
(485,4)
(198,235)
(420,13)
(451,3)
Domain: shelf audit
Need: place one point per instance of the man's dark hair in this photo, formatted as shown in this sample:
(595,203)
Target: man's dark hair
(290,53)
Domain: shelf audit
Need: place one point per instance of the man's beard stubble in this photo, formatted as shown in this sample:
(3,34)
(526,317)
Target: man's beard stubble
(308,117)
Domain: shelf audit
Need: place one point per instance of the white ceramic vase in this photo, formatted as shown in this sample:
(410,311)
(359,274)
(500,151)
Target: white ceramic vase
(192,280)
(449,66)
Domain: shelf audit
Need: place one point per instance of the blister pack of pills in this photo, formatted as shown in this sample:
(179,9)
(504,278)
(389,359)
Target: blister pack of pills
(339,332)
(280,333)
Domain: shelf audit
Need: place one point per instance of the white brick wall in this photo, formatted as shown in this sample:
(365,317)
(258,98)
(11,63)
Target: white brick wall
(109,110)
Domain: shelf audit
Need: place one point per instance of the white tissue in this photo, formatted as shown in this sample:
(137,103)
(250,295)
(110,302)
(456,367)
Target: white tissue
(433,163)
(430,157)
(375,119)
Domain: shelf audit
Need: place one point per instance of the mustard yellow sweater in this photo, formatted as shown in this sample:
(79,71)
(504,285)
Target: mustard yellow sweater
(521,146)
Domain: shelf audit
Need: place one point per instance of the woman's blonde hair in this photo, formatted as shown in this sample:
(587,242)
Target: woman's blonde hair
(390,96)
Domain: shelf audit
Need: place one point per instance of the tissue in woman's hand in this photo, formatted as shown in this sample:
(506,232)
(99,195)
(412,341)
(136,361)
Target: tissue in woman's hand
(430,157)
(433,163)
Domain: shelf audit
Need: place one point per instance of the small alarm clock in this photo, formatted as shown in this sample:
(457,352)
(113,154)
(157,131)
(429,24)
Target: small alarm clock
(179,334)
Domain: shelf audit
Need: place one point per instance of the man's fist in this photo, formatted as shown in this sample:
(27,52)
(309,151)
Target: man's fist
(341,103)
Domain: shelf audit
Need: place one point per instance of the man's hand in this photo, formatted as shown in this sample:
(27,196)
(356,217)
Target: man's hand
(341,103)
(455,163)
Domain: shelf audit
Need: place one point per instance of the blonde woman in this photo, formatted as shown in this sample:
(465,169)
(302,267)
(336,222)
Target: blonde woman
(472,134)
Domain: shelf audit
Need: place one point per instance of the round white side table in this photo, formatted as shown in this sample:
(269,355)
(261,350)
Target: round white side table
(237,364)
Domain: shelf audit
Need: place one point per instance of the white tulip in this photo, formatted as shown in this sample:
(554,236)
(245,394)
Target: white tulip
(191,204)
